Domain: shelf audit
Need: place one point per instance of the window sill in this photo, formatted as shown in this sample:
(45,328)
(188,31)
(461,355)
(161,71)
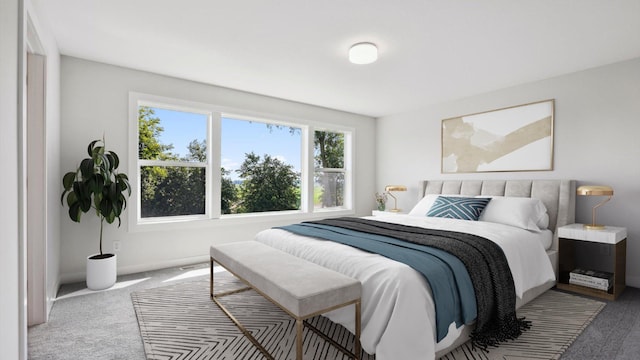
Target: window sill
(277,218)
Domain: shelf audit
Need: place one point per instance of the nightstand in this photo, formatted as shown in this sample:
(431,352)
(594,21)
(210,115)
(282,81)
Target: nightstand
(601,250)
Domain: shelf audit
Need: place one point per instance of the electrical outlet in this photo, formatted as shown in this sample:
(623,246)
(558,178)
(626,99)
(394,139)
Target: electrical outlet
(116,246)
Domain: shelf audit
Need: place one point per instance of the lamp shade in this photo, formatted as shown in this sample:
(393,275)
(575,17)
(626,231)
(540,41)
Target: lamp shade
(395,188)
(594,190)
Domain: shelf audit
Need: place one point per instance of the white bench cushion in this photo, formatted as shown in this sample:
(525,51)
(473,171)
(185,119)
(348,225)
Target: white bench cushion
(300,286)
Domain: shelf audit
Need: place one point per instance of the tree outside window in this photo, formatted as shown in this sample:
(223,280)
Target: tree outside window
(329,169)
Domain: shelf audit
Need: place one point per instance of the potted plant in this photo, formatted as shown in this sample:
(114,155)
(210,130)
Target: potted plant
(381,201)
(96,184)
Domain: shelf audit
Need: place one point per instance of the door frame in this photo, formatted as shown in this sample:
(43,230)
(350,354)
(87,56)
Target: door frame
(36,192)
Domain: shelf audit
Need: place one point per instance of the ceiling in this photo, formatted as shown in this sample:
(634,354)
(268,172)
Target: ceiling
(430,51)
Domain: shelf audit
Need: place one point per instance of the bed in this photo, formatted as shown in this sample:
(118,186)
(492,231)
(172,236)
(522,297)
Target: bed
(398,311)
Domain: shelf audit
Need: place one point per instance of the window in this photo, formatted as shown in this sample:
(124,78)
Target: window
(197,161)
(330,169)
(172,159)
(262,162)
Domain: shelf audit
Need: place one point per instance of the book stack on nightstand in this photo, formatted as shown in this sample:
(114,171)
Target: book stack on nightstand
(600,280)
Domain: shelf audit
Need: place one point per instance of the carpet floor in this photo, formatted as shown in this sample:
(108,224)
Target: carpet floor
(180,322)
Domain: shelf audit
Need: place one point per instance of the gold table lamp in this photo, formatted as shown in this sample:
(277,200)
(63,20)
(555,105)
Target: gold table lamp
(388,190)
(595,190)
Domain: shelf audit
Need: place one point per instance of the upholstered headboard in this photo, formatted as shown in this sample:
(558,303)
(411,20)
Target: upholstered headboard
(557,195)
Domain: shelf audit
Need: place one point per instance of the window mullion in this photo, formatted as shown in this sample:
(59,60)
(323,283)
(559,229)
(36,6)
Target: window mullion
(349,145)
(306,183)
(214,181)
(335,170)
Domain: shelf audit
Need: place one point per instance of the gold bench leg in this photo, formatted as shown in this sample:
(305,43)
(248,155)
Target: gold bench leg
(211,277)
(299,339)
(244,330)
(357,347)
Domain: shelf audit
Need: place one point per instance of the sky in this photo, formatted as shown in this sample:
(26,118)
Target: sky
(238,137)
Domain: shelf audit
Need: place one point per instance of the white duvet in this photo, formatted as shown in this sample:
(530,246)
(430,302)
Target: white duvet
(398,315)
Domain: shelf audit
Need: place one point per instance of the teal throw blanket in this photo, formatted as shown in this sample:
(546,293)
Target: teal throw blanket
(437,254)
(441,269)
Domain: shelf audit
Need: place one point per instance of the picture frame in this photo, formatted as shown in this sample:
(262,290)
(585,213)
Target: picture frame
(516,138)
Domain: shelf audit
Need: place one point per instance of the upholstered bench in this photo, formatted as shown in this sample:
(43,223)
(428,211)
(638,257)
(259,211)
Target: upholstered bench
(299,287)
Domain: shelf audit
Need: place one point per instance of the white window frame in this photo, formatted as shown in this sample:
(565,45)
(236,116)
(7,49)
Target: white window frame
(346,170)
(213,216)
(212,165)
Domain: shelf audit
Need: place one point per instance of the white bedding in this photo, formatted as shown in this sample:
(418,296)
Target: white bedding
(398,316)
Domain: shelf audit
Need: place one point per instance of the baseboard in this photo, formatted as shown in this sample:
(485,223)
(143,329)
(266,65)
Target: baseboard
(132,269)
(51,297)
(74,277)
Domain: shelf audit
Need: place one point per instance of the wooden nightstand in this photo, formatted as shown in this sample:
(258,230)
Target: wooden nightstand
(575,239)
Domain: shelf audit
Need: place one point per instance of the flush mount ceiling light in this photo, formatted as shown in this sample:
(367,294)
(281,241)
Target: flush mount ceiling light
(363,53)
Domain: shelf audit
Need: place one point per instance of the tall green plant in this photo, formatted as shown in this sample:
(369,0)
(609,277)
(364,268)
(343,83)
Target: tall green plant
(97,184)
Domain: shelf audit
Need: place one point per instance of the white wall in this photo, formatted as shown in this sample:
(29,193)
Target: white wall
(596,136)
(12,321)
(95,101)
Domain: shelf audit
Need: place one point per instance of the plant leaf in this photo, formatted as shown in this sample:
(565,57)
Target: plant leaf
(98,150)
(97,200)
(123,180)
(83,195)
(113,190)
(113,160)
(74,212)
(117,208)
(86,168)
(98,184)
(116,159)
(67,180)
(72,198)
(90,147)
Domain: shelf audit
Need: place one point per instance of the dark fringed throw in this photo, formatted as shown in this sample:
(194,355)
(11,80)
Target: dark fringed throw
(493,334)
(487,266)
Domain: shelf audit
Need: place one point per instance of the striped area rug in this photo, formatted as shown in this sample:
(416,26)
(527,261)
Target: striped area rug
(180,322)
(557,319)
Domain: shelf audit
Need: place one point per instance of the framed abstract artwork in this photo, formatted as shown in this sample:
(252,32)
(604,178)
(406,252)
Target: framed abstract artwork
(517,138)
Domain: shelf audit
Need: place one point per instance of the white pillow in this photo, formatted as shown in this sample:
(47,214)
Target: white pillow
(525,213)
(423,206)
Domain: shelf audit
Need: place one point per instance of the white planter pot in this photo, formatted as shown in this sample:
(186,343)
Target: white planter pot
(101,273)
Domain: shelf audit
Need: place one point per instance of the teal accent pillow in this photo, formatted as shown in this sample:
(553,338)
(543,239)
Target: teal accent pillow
(462,208)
